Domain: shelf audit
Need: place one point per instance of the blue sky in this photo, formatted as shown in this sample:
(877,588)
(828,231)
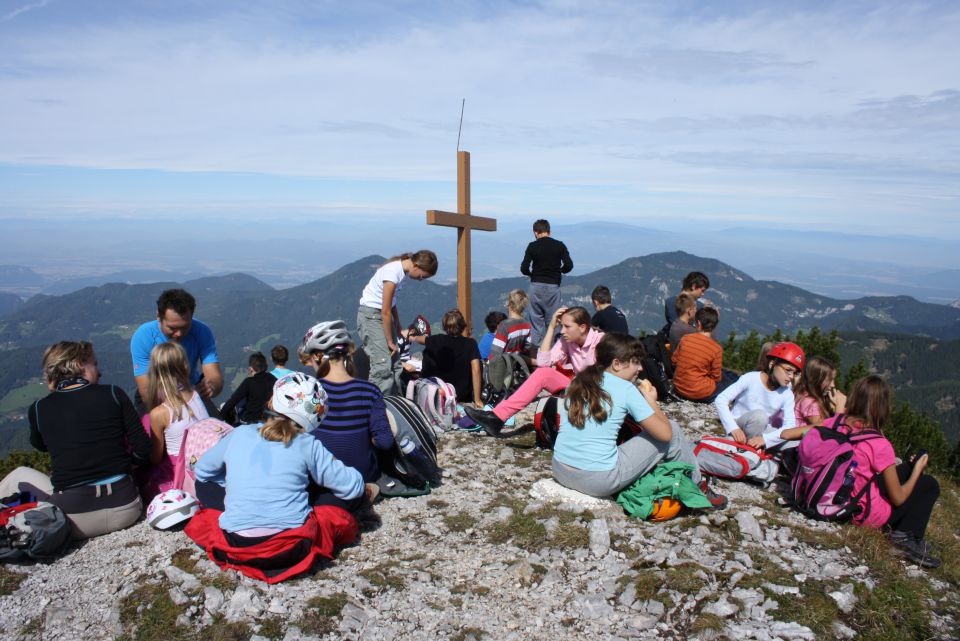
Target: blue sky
(817,115)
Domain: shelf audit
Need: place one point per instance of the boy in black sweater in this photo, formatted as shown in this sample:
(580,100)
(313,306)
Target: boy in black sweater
(544,261)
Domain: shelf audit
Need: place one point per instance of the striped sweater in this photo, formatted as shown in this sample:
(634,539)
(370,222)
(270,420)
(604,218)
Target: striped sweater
(355,415)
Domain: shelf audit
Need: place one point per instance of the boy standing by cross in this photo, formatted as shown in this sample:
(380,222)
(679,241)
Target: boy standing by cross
(544,261)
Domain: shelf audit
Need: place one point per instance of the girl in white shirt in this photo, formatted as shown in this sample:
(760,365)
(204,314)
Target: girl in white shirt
(762,410)
(378,321)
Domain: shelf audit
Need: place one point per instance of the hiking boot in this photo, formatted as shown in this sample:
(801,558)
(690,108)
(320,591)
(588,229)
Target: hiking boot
(916,550)
(718,501)
(489,421)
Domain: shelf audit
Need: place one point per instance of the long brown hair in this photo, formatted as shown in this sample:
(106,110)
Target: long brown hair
(578,315)
(816,373)
(424,259)
(168,374)
(65,360)
(869,403)
(585,395)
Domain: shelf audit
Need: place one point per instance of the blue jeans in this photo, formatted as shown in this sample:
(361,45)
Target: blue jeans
(544,302)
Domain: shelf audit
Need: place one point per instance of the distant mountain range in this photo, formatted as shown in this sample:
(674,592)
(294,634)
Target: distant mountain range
(247,314)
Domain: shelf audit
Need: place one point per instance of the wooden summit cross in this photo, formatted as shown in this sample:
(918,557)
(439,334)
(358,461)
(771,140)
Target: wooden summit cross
(464,222)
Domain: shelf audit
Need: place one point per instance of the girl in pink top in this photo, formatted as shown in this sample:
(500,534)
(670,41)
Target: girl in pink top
(816,396)
(900,497)
(556,365)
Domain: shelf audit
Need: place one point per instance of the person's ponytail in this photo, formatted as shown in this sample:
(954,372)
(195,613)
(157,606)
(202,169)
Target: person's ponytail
(586,397)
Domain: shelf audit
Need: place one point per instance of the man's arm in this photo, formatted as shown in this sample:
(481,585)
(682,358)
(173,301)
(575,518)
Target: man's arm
(212,382)
(527,260)
(142,388)
(566,263)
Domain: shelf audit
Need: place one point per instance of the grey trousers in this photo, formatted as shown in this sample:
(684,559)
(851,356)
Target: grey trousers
(384,367)
(755,423)
(86,524)
(635,458)
(544,302)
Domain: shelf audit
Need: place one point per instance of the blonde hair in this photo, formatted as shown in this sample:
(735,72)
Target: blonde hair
(517,301)
(65,360)
(280,429)
(168,374)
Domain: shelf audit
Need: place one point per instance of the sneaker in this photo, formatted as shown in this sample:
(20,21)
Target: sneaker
(718,501)
(916,550)
(487,420)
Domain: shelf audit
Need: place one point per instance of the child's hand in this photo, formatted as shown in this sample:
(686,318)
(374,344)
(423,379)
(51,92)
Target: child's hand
(757,442)
(560,312)
(920,463)
(739,436)
(648,390)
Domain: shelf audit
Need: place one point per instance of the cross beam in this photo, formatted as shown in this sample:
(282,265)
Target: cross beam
(464,222)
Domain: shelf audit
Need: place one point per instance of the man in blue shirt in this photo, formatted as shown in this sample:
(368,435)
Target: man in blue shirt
(175,322)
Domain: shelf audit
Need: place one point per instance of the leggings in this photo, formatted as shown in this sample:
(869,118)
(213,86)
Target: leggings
(914,514)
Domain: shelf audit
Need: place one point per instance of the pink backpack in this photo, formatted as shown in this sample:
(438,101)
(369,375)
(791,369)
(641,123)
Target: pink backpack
(437,400)
(197,439)
(824,458)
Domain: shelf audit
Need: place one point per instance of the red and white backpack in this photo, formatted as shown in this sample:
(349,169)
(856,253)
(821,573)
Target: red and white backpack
(728,459)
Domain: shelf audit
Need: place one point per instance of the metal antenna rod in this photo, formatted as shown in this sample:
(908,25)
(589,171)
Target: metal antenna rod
(462,105)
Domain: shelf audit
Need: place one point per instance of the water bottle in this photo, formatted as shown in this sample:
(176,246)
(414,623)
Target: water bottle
(846,488)
(417,458)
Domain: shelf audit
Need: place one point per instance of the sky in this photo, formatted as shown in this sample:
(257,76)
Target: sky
(833,116)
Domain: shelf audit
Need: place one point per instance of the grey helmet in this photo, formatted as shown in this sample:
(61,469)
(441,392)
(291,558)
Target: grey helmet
(324,337)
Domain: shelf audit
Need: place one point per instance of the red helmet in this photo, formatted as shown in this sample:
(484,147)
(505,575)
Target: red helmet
(789,352)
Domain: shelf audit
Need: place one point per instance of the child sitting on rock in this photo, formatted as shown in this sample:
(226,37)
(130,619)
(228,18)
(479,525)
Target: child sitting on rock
(453,358)
(355,423)
(492,320)
(698,373)
(758,408)
(513,333)
(556,364)
(586,456)
(901,497)
(816,396)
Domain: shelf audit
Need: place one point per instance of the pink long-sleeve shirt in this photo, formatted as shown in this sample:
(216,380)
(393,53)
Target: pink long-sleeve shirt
(578,357)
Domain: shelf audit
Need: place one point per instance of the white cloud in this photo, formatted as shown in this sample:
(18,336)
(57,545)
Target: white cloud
(30,6)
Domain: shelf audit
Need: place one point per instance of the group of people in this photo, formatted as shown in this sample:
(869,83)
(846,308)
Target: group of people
(305,441)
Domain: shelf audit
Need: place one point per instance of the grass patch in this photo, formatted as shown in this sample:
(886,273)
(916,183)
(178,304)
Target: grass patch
(814,608)
(382,577)
(10,581)
(437,504)
(33,627)
(134,544)
(944,525)
(185,560)
(459,522)
(321,614)
(705,622)
(272,628)
(223,630)
(148,614)
(684,578)
(468,633)
(21,397)
(222,580)
(766,570)
(647,584)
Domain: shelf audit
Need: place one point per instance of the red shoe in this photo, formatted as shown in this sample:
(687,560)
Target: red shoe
(718,501)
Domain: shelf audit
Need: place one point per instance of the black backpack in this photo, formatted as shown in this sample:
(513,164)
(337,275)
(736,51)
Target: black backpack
(502,375)
(416,468)
(37,531)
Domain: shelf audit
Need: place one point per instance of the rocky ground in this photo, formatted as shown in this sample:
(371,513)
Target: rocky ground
(497,552)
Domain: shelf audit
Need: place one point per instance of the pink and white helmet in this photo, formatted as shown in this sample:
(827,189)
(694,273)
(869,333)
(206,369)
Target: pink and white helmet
(171,508)
(300,398)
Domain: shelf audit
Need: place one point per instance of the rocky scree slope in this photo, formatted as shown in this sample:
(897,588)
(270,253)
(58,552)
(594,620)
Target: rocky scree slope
(496,552)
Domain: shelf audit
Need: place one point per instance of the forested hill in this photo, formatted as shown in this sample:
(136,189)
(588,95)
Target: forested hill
(246,313)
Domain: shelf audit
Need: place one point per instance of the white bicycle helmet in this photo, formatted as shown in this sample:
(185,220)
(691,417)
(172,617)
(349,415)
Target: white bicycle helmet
(170,508)
(325,336)
(300,398)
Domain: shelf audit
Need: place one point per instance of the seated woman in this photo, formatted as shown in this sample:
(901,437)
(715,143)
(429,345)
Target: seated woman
(265,470)
(174,406)
(556,364)
(85,427)
(586,456)
(355,423)
(758,408)
(250,398)
(453,358)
